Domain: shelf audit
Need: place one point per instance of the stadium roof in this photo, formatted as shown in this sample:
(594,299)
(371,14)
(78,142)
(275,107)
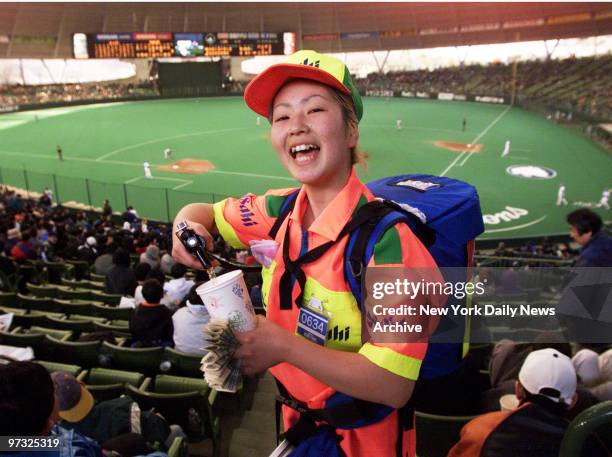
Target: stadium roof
(45,29)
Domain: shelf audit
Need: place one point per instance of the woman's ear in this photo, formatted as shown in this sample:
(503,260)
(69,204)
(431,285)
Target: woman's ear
(352,135)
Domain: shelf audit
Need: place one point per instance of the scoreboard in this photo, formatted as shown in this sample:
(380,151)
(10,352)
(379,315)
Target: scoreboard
(167,44)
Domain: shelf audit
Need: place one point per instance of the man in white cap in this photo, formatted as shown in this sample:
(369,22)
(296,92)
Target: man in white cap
(545,389)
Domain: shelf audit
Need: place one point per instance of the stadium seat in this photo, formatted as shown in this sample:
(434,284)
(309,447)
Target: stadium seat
(63,335)
(97,278)
(81,268)
(597,419)
(55,271)
(8,299)
(6,309)
(84,354)
(109,299)
(41,291)
(74,283)
(70,307)
(436,434)
(52,367)
(182,364)
(143,360)
(37,303)
(20,339)
(174,397)
(112,312)
(31,318)
(178,448)
(68,293)
(106,384)
(77,326)
(95,285)
(119,328)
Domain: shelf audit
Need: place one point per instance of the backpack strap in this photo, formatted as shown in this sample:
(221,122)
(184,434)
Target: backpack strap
(293,268)
(285,209)
(362,242)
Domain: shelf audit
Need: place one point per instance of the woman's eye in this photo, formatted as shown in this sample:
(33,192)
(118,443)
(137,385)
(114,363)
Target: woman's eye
(281,118)
(316,110)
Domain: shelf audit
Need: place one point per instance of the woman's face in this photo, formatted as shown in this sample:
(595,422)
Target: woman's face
(310,136)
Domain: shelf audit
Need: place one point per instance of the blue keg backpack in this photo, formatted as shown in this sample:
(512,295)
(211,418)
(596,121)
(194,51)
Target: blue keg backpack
(444,213)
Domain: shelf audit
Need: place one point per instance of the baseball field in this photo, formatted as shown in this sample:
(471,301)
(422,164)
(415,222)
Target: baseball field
(219,150)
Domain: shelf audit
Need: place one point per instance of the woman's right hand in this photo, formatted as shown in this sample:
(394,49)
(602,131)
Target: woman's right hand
(179,253)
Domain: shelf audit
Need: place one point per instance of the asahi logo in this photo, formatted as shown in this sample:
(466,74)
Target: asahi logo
(531,172)
(509,213)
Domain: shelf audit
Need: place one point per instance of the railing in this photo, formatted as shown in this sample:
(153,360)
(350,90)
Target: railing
(160,204)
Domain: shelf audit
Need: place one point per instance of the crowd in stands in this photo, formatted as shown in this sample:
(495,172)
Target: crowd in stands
(573,84)
(132,255)
(54,93)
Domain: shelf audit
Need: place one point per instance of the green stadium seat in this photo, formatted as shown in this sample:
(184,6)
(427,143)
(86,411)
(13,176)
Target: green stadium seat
(70,307)
(109,299)
(9,282)
(76,326)
(183,364)
(178,448)
(20,339)
(595,420)
(436,434)
(94,285)
(97,278)
(37,303)
(106,384)
(68,293)
(31,318)
(63,335)
(74,283)
(41,291)
(121,330)
(175,405)
(56,271)
(112,312)
(52,367)
(84,354)
(8,299)
(6,309)
(81,268)
(143,360)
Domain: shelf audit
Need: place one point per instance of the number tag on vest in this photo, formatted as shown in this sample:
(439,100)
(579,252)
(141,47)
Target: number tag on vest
(312,326)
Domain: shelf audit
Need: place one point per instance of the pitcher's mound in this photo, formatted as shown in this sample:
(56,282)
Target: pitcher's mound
(189,166)
(459,147)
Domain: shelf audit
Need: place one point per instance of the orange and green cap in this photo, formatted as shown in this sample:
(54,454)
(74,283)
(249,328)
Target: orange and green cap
(310,65)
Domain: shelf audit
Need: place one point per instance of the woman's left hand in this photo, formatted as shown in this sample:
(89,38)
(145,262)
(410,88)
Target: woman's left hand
(265,346)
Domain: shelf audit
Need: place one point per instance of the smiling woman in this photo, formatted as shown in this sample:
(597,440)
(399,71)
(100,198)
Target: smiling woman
(314,111)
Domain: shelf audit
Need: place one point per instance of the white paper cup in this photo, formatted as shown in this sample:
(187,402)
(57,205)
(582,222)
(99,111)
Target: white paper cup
(226,297)
(508,402)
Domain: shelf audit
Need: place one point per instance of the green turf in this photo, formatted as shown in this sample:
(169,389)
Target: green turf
(106,145)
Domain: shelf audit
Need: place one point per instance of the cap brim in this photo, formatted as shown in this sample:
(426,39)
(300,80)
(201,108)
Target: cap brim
(260,92)
(82,408)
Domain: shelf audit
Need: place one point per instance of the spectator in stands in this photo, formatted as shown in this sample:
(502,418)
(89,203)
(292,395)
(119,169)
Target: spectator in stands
(24,249)
(166,263)
(178,287)
(142,271)
(151,256)
(88,251)
(121,279)
(546,388)
(110,422)
(595,372)
(151,323)
(585,229)
(104,262)
(13,236)
(188,324)
(106,208)
(29,407)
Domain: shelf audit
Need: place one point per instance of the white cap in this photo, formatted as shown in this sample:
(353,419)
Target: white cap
(91,241)
(549,373)
(586,363)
